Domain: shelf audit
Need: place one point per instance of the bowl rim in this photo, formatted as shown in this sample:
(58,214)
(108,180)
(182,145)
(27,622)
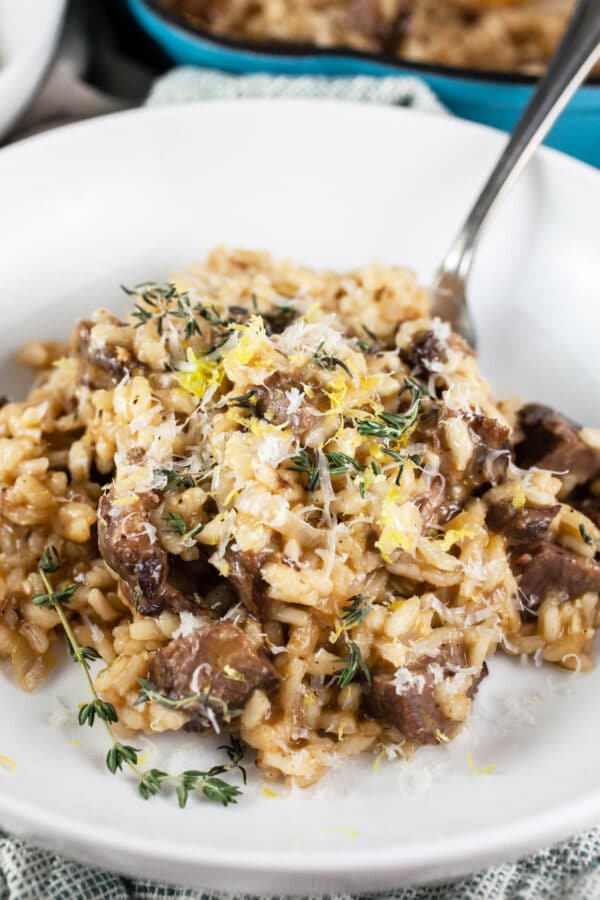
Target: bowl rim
(304,50)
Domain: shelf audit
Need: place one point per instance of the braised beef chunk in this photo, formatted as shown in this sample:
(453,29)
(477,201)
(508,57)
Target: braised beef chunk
(414,713)
(552,442)
(104,366)
(218,660)
(435,508)
(547,569)
(491,455)
(277,319)
(425,355)
(489,461)
(520,526)
(245,578)
(413,709)
(127,543)
(272,402)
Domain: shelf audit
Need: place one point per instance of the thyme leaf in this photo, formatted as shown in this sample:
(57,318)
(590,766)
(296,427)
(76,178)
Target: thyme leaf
(355,611)
(327,361)
(353,665)
(149,693)
(305,462)
(176,479)
(176,523)
(119,755)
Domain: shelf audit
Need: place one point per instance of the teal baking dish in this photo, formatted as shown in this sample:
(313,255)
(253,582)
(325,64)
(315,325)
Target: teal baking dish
(492,98)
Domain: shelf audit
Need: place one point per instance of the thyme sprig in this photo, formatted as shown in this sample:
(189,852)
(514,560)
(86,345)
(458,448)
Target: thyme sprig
(329,362)
(390,427)
(305,462)
(244,401)
(176,479)
(156,300)
(149,693)
(374,347)
(339,464)
(353,665)
(342,464)
(355,611)
(186,311)
(150,781)
(177,525)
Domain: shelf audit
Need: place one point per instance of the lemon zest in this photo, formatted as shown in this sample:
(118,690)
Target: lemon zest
(487,770)
(337,391)
(9,764)
(370,383)
(199,374)
(377,762)
(453,536)
(519,499)
(396,604)
(392,534)
(272,795)
(233,674)
(76,743)
(251,343)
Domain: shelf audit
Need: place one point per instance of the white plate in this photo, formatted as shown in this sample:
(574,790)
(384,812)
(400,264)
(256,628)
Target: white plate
(132,196)
(28,33)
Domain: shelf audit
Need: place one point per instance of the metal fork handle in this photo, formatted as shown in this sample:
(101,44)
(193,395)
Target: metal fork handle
(573,60)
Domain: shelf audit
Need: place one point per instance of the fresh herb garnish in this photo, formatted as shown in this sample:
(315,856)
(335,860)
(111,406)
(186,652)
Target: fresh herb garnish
(327,361)
(305,462)
(148,692)
(374,347)
(355,611)
(186,311)
(50,561)
(390,427)
(150,781)
(244,400)
(585,535)
(176,479)
(341,464)
(177,525)
(214,348)
(353,664)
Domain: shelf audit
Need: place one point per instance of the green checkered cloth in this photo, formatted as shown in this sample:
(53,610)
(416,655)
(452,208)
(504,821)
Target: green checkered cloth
(570,871)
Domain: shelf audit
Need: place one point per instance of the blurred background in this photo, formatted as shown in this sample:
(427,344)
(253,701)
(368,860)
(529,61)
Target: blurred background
(478,58)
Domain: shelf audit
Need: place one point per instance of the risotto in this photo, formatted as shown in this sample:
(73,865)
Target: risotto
(510,35)
(282,504)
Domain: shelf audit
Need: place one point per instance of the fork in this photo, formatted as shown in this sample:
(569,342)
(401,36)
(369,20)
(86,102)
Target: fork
(571,63)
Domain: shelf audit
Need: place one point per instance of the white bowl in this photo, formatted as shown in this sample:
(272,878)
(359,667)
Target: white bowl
(29,30)
(130,197)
